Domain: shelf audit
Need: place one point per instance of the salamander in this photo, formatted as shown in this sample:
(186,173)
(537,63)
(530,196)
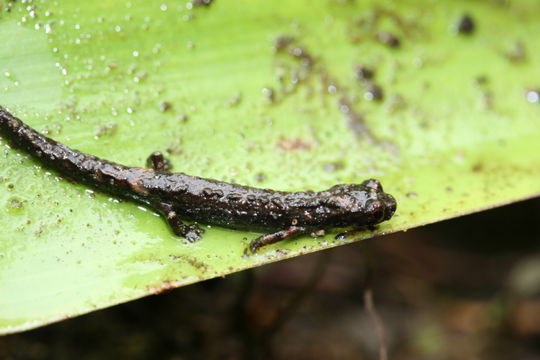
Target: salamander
(180,197)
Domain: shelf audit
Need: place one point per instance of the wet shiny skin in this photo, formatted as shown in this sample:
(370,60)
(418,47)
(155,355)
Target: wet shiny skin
(179,196)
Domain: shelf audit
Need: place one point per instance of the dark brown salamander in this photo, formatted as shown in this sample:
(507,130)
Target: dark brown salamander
(179,196)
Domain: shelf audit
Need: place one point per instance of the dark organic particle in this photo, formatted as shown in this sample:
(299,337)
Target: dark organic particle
(465,25)
(373,92)
(300,53)
(282,42)
(269,94)
(364,73)
(195,3)
(477,167)
(388,39)
(287,44)
(165,106)
(15,203)
(179,196)
(107,130)
(356,121)
(292,74)
(9,6)
(518,53)
(260,177)
(481,80)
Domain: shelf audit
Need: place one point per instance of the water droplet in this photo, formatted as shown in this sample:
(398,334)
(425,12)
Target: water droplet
(533,96)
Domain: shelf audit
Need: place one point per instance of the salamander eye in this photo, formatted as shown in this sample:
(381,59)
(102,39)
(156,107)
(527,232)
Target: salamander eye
(373,185)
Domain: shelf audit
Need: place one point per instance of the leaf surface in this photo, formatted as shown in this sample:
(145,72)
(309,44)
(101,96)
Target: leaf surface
(260,93)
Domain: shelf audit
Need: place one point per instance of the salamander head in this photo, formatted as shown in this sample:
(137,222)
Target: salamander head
(361,204)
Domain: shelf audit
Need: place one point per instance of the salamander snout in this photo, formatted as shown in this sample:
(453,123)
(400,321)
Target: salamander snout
(389,205)
(380,205)
(379,208)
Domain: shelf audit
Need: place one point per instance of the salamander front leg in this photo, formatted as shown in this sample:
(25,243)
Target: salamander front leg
(268,239)
(157,161)
(191,232)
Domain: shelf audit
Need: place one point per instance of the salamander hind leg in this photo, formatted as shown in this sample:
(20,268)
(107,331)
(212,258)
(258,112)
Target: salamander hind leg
(190,232)
(268,239)
(157,161)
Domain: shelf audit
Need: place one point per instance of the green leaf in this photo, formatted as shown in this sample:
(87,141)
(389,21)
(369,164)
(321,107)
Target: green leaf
(454,132)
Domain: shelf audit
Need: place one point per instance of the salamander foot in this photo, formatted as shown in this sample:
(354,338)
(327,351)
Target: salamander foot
(268,239)
(190,232)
